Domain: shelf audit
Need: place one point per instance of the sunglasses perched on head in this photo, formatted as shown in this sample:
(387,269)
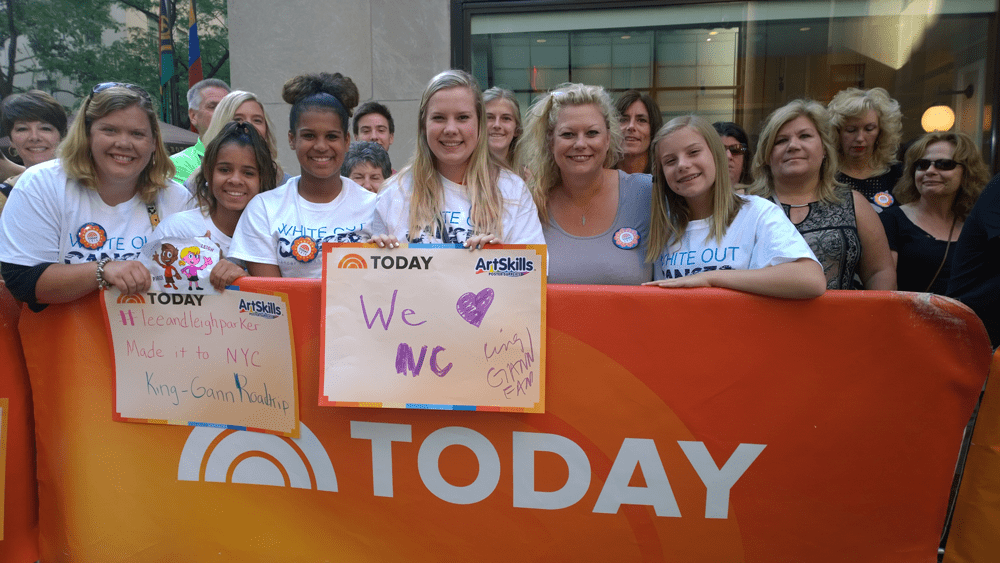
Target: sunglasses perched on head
(737,150)
(105,85)
(941,164)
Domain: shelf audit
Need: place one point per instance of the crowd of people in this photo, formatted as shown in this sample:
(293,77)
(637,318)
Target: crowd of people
(825,199)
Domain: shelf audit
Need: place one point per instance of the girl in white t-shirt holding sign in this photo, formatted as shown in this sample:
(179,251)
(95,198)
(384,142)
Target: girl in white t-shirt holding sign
(704,234)
(453,190)
(281,232)
(237,166)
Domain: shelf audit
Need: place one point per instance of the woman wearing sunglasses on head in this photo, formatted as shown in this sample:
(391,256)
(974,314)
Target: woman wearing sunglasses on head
(943,176)
(77,223)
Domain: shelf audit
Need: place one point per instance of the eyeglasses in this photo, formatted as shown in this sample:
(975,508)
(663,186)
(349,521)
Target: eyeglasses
(941,164)
(737,150)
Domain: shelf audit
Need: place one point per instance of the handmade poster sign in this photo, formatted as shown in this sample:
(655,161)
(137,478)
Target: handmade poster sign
(4,406)
(218,360)
(181,265)
(434,327)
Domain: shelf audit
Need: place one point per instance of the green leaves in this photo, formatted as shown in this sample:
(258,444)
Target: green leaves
(74,44)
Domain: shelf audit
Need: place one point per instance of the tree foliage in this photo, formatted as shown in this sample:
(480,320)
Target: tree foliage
(83,42)
(50,38)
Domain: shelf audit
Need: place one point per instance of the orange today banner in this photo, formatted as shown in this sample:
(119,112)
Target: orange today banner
(699,425)
(19,492)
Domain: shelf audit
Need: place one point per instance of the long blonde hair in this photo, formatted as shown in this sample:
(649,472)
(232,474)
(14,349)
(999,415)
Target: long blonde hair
(669,212)
(78,160)
(763,184)
(481,173)
(226,111)
(535,149)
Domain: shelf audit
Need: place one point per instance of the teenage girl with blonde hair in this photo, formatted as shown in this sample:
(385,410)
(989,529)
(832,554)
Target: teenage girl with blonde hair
(704,234)
(454,190)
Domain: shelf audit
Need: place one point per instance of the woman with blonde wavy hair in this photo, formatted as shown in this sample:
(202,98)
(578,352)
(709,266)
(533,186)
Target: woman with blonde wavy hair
(794,166)
(596,219)
(240,105)
(944,175)
(454,190)
(77,223)
(868,125)
(704,234)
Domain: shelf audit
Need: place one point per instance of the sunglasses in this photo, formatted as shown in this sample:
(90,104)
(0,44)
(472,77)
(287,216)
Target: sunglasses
(941,164)
(107,85)
(737,150)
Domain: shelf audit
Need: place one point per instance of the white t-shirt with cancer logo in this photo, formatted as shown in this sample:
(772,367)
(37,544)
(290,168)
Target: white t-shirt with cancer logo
(520,217)
(281,228)
(52,219)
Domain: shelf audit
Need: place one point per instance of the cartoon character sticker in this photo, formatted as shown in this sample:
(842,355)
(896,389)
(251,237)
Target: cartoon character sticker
(172,259)
(192,263)
(166,258)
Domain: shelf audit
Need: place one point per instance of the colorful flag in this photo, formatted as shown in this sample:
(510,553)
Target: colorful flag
(166,46)
(166,57)
(195,73)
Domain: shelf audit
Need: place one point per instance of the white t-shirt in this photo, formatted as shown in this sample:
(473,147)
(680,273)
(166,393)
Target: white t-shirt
(759,236)
(282,228)
(194,223)
(50,218)
(520,217)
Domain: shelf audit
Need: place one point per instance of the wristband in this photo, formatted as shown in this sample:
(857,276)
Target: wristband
(101,282)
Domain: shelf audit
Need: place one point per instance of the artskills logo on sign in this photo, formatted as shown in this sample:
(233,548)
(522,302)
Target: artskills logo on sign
(509,266)
(260,308)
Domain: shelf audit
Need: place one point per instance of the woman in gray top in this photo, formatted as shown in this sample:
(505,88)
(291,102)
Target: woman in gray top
(595,219)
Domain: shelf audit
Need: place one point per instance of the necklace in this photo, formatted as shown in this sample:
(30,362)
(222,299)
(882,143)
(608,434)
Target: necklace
(590,204)
(775,199)
(583,218)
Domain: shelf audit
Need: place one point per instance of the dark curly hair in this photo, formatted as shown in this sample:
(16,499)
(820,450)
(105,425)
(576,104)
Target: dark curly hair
(241,134)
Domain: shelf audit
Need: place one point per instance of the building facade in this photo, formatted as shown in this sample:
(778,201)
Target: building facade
(732,61)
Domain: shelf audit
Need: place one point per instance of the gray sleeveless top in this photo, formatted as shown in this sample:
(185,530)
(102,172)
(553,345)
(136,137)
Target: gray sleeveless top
(614,257)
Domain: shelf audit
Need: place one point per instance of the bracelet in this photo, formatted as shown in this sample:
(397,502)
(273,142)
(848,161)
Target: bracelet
(101,282)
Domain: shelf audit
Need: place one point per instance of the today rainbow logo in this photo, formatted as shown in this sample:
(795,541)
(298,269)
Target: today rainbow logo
(353,262)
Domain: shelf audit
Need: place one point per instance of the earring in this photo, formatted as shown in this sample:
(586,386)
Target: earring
(13,151)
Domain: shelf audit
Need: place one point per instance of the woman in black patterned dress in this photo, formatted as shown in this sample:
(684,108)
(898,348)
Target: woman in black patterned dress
(794,166)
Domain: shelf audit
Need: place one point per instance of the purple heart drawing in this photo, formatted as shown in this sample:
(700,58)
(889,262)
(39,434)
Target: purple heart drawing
(473,306)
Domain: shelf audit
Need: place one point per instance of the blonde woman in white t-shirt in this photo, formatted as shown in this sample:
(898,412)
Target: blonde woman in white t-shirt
(454,190)
(77,223)
(703,234)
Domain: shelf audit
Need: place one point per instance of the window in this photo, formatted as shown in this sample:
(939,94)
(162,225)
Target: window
(738,61)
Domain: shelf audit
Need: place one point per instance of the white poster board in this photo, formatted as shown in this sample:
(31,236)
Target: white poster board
(434,327)
(218,360)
